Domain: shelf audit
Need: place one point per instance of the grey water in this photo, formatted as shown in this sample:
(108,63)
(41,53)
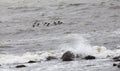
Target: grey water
(88,25)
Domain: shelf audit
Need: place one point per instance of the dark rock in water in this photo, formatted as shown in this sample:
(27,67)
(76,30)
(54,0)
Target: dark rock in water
(31,61)
(55,23)
(118,65)
(38,24)
(114,64)
(20,66)
(89,57)
(59,22)
(68,56)
(116,58)
(33,26)
(48,24)
(50,58)
(45,23)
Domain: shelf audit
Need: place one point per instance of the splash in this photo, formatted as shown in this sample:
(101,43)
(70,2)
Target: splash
(72,42)
(79,45)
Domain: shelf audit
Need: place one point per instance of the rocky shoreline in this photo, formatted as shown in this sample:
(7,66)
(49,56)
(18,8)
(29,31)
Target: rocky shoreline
(69,56)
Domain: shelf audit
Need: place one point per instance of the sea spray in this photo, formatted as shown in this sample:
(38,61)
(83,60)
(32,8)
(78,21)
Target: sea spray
(81,46)
(77,44)
(72,42)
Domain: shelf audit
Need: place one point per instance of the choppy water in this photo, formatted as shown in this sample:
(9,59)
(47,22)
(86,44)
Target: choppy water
(91,27)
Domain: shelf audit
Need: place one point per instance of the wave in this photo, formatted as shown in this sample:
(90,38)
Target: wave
(24,58)
(80,45)
(73,42)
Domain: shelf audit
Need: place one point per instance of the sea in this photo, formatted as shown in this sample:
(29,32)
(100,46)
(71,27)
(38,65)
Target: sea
(85,27)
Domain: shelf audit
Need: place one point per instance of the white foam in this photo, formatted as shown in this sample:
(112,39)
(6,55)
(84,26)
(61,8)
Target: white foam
(79,45)
(72,42)
(37,56)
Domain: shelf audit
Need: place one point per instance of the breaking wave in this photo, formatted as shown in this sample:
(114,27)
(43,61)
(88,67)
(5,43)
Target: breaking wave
(73,42)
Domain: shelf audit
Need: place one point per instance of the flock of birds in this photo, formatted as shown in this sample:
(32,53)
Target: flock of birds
(37,23)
